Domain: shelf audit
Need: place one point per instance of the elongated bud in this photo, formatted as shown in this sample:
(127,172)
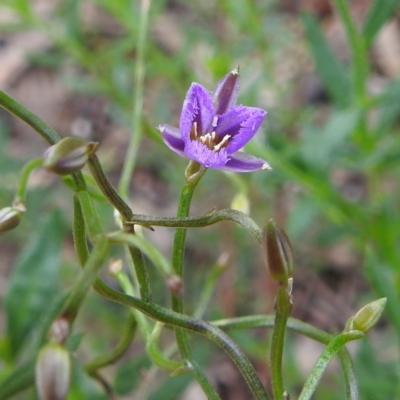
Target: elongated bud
(367,317)
(53,372)
(9,219)
(68,156)
(277,253)
(226,92)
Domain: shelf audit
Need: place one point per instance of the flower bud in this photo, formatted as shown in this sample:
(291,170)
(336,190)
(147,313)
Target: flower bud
(226,92)
(9,219)
(367,317)
(53,372)
(277,253)
(68,156)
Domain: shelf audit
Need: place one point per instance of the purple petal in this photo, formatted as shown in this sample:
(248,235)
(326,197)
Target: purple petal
(198,108)
(226,92)
(241,123)
(172,138)
(243,162)
(203,155)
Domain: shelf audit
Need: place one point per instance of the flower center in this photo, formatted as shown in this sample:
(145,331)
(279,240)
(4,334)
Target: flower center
(211,140)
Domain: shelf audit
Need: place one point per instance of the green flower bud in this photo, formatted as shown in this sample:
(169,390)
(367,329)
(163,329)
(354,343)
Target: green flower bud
(277,253)
(9,219)
(367,317)
(68,156)
(53,372)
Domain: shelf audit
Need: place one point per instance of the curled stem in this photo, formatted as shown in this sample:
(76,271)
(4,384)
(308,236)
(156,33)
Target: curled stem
(331,350)
(205,220)
(191,324)
(116,353)
(108,189)
(28,168)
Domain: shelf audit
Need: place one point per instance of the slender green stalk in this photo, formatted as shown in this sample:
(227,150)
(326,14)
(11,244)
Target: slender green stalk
(91,218)
(198,374)
(115,354)
(205,220)
(79,232)
(107,188)
(178,251)
(150,335)
(188,323)
(28,168)
(130,158)
(155,256)
(267,321)
(87,278)
(49,134)
(358,46)
(282,311)
(331,350)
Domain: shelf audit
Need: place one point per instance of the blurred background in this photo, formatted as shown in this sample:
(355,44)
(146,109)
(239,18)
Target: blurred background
(332,136)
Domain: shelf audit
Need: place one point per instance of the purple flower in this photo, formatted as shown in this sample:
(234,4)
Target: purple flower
(212,128)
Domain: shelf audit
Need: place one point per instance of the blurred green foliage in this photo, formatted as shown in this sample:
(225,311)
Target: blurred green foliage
(358,132)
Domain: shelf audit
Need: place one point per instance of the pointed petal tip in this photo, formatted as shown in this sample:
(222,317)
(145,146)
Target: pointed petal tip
(266,166)
(235,71)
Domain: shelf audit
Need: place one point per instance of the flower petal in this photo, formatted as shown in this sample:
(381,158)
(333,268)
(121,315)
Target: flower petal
(172,138)
(243,162)
(241,123)
(226,92)
(199,152)
(197,107)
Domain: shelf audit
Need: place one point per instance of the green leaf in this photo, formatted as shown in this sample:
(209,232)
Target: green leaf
(34,282)
(331,72)
(378,14)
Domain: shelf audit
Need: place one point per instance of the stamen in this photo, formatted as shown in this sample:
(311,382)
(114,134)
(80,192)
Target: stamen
(193,131)
(222,143)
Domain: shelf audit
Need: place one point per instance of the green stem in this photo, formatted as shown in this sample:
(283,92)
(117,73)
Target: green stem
(331,350)
(178,250)
(150,336)
(282,311)
(359,49)
(49,134)
(155,256)
(205,220)
(107,188)
(115,354)
(86,279)
(188,323)
(92,221)
(28,168)
(79,232)
(267,321)
(130,158)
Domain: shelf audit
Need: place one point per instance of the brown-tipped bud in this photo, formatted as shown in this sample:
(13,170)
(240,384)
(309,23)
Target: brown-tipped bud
(277,253)
(53,372)
(367,317)
(9,219)
(226,92)
(174,284)
(60,330)
(68,156)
